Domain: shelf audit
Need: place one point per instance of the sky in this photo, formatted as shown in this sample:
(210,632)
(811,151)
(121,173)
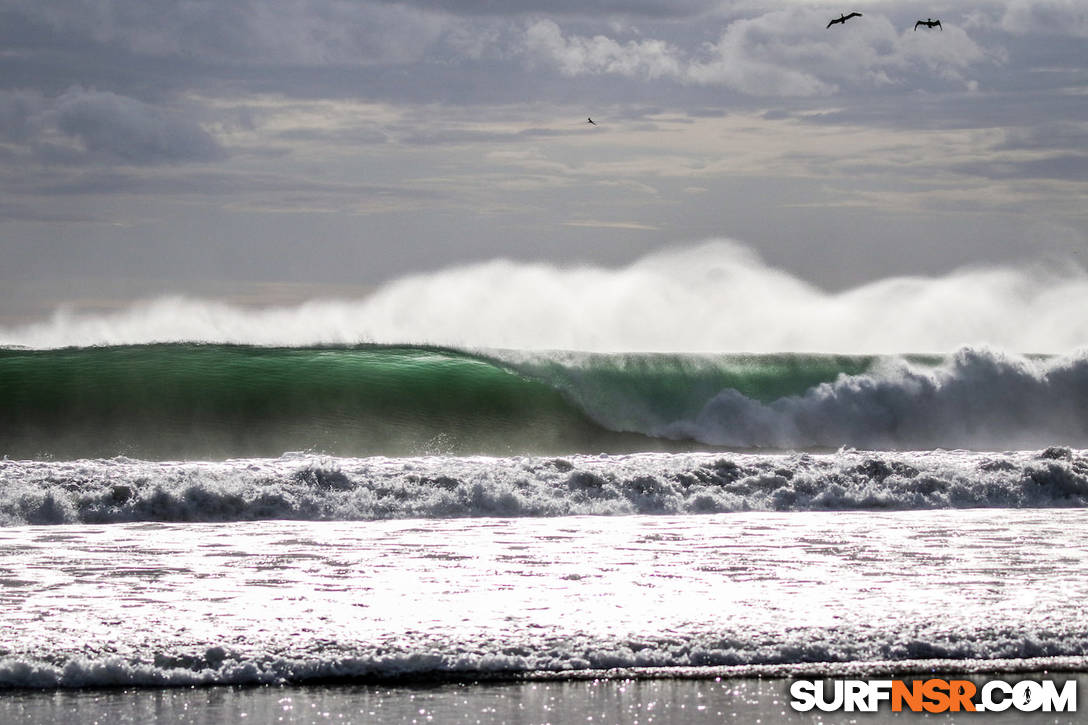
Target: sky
(271,152)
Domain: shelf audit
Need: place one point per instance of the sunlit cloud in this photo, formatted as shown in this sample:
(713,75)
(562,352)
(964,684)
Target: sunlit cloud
(776,53)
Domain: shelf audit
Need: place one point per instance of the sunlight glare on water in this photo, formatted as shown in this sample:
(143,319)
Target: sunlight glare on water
(286,601)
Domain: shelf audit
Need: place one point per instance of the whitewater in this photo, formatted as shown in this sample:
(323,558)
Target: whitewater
(715,297)
(696,466)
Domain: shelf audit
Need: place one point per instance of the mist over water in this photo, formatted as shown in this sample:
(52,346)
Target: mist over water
(718,296)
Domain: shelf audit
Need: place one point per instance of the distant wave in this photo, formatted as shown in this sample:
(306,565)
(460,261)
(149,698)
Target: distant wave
(715,297)
(227,401)
(317,488)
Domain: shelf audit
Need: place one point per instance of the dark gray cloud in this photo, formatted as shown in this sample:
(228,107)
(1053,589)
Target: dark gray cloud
(247,32)
(17,111)
(89,126)
(130,131)
(479,51)
(658,9)
(1062,167)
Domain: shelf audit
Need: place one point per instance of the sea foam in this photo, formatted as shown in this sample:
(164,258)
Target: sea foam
(978,398)
(309,487)
(277,602)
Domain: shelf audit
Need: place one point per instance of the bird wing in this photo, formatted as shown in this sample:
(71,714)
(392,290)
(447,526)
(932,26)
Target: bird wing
(833,21)
(854,15)
(917,24)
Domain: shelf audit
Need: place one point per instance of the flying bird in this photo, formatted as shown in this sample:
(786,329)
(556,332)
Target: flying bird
(929,24)
(843,18)
(590,121)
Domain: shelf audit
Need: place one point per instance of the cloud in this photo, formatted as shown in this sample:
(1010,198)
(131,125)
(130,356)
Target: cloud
(280,32)
(590,8)
(779,53)
(597,224)
(82,125)
(1046,17)
(718,114)
(769,55)
(131,131)
(1063,167)
(460,51)
(249,190)
(576,55)
(455,135)
(1047,136)
(18,110)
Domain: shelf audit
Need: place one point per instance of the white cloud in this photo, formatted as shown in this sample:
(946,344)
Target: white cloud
(769,55)
(779,53)
(577,55)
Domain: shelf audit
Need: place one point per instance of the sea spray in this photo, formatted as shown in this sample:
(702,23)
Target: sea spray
(715,297)
(976,399)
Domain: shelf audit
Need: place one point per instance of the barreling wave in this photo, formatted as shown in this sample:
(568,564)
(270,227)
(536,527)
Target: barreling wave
(217,401)
(223,401)
(314,488)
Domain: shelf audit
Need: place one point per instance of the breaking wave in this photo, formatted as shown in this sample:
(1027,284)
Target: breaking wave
(229,401)
(315,488)
(704,658)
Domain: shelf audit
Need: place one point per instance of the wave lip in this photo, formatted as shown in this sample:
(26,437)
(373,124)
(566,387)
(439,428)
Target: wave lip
(319,488)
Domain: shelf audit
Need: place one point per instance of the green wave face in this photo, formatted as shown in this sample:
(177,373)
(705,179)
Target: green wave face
(200,401)
(217,401)
(645,391)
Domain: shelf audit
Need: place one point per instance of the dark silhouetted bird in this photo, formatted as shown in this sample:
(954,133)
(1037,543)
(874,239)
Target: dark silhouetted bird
(843,18)
(590,121)
(929,24)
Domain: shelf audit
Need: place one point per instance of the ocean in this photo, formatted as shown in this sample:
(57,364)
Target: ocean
(422,521)
(521,493)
